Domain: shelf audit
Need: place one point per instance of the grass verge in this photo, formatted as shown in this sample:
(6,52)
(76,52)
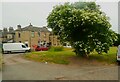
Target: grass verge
(109,57)
(59,57)
(62,57)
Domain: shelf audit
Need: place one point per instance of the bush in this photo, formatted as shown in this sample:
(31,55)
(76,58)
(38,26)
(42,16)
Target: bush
(56,48)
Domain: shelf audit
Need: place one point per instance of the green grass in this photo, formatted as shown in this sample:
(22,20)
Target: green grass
(109,57)
(59,57)
(62,57)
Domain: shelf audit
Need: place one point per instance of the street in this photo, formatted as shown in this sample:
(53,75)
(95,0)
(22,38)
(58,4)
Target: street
(17,68)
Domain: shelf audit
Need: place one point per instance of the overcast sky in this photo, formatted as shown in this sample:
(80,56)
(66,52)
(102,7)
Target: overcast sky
(23,13)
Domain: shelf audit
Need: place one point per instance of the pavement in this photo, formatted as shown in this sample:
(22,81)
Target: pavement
(17,68)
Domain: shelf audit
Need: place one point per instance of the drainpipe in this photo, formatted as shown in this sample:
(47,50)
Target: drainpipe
(30,38)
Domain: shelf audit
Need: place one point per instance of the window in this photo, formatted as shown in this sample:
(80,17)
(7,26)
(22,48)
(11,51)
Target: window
(19,35)
(32,34)
(9,36)
(45,35)
(44,41)
(23,46)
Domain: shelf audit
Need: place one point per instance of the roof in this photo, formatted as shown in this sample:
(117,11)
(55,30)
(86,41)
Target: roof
(13,32)
(33,28)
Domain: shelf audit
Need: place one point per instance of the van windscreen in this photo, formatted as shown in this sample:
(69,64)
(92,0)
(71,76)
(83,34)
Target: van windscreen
(23,46)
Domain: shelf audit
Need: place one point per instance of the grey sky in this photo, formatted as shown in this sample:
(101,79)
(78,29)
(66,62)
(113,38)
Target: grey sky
(111,10)
(23,13)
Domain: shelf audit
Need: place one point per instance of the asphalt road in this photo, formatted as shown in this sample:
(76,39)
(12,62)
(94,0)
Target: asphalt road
(17,68)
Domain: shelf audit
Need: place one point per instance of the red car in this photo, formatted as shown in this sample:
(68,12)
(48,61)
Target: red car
(41,48)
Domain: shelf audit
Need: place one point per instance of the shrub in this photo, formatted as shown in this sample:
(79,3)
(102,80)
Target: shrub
(56,48)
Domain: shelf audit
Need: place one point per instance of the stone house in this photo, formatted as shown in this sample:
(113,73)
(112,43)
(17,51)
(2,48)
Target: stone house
(54,40)
(1,36)
(8,35)
(32,35)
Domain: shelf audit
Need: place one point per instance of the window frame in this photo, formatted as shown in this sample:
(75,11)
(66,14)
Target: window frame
(32,34)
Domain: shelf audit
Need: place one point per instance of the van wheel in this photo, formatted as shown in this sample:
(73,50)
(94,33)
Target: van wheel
(9,52)
(26,51)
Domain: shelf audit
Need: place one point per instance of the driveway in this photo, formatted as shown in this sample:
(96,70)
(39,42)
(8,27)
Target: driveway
(18,68)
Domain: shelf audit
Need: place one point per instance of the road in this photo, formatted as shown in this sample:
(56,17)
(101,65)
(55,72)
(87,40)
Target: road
(18,68)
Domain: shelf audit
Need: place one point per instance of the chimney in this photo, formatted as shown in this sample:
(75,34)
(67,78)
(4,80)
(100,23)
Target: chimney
(30,24)
(5,30)
(19,27)
(11,29)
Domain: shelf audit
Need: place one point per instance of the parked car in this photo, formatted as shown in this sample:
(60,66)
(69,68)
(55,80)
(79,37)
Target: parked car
(38,48)
(15,47)
(118,54)
(67,46)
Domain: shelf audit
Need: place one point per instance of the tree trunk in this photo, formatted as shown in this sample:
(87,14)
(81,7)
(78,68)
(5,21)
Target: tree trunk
(85,56)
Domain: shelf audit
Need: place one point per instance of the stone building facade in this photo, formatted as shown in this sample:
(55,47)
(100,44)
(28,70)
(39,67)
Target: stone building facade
(32,35)
(1,36)
(8,35)
(54,40)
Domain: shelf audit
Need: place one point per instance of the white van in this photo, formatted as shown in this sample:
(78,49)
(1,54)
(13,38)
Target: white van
(118,54)
(15,47)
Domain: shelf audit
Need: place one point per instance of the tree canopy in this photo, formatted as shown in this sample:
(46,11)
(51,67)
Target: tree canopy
(83,25)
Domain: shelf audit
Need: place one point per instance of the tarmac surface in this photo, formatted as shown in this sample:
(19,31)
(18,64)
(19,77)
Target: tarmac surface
(17,68)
